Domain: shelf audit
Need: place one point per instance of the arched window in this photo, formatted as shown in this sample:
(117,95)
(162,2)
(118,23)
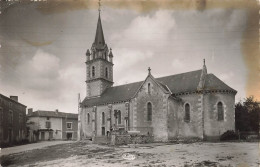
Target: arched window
(149,88)
(93,71)
(187,113)
(103,118)
(119,117)
(106,73)
(88,118)
(149,111)
(220,111)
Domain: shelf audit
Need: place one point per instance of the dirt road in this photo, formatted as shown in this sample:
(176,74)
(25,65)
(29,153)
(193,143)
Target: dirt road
(157,154)
(22,148)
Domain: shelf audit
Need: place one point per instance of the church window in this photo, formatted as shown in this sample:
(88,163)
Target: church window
(220,112)
(103,118)
(187,113)
(119,117)
(88,118)
(106,72)
(149,88)
(149,111)
(93,71)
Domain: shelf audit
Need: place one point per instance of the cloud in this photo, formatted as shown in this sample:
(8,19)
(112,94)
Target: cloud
(40,72)
(126,59)
(226,77)
(176,63)
(146,31)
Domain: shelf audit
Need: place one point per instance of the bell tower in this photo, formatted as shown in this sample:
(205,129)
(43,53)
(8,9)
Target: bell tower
(99,64)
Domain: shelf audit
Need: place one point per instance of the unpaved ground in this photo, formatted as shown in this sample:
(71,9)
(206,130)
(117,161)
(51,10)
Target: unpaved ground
(22,148)
(85,154)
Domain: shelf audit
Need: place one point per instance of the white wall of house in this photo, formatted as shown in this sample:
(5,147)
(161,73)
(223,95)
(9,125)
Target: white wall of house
(56,126)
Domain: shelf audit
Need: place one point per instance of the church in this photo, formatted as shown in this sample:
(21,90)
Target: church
(194,104)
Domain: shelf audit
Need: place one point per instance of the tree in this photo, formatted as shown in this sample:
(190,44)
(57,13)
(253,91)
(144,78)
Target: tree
(247,115)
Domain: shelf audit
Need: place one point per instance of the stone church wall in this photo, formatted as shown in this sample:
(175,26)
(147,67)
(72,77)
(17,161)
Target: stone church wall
(174,107)
(213,127)
(158,99)
(86,126)
(194,127)
(96,124)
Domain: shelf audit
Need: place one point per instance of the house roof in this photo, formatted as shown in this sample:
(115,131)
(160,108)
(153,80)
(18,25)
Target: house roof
(41,113)
(180,83)
(7,98)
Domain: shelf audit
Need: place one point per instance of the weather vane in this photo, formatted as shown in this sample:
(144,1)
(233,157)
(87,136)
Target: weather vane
(99,5)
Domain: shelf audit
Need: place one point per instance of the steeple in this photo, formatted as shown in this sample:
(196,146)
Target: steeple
(99,42)
(99,64)
(99,38)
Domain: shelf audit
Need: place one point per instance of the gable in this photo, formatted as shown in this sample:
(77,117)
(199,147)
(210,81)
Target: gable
(150,84)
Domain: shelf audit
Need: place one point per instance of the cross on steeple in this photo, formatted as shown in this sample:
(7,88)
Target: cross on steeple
(149,70)
(99,6)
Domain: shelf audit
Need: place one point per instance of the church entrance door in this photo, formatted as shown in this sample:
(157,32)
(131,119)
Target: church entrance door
(103,131)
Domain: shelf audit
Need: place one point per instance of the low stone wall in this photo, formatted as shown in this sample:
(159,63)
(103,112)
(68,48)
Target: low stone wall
(133,139)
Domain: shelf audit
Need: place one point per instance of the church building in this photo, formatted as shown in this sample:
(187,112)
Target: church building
(194,104)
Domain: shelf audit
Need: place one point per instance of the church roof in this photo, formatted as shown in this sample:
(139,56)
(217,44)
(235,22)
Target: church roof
(99,38)
(214,83)
(180,83)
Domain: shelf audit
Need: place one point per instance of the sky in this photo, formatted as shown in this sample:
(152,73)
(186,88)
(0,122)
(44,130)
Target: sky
(43,46)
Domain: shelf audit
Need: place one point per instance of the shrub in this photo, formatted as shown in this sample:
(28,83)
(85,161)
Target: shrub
(229,135)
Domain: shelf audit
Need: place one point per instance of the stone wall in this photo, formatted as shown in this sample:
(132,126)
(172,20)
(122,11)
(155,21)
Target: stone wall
(213,127)
(96,119)
(174,107)
(158,99)
(133,139)
(193,128)
(97,87)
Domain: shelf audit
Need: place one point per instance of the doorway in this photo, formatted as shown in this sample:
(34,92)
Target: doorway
(42,135)
(69,136)
(103,131)
(50,135)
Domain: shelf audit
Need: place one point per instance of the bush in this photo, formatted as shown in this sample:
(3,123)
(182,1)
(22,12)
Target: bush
(229,135)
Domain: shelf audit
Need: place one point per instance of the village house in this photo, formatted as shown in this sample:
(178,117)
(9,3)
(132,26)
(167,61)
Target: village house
(52,125)
(194,104)
(12,120)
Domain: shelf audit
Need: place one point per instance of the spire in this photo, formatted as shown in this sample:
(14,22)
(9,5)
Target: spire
(110,53)
(88,53)
(99,39)
(202,76)
(204,66)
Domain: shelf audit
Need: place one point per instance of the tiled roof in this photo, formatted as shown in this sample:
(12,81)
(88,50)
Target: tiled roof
(41,113)
(115,94)
(213,83)
(184,82)
(180,83)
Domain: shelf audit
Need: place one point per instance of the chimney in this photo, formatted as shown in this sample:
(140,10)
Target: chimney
(56,111)
(30,111)
(15,98)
